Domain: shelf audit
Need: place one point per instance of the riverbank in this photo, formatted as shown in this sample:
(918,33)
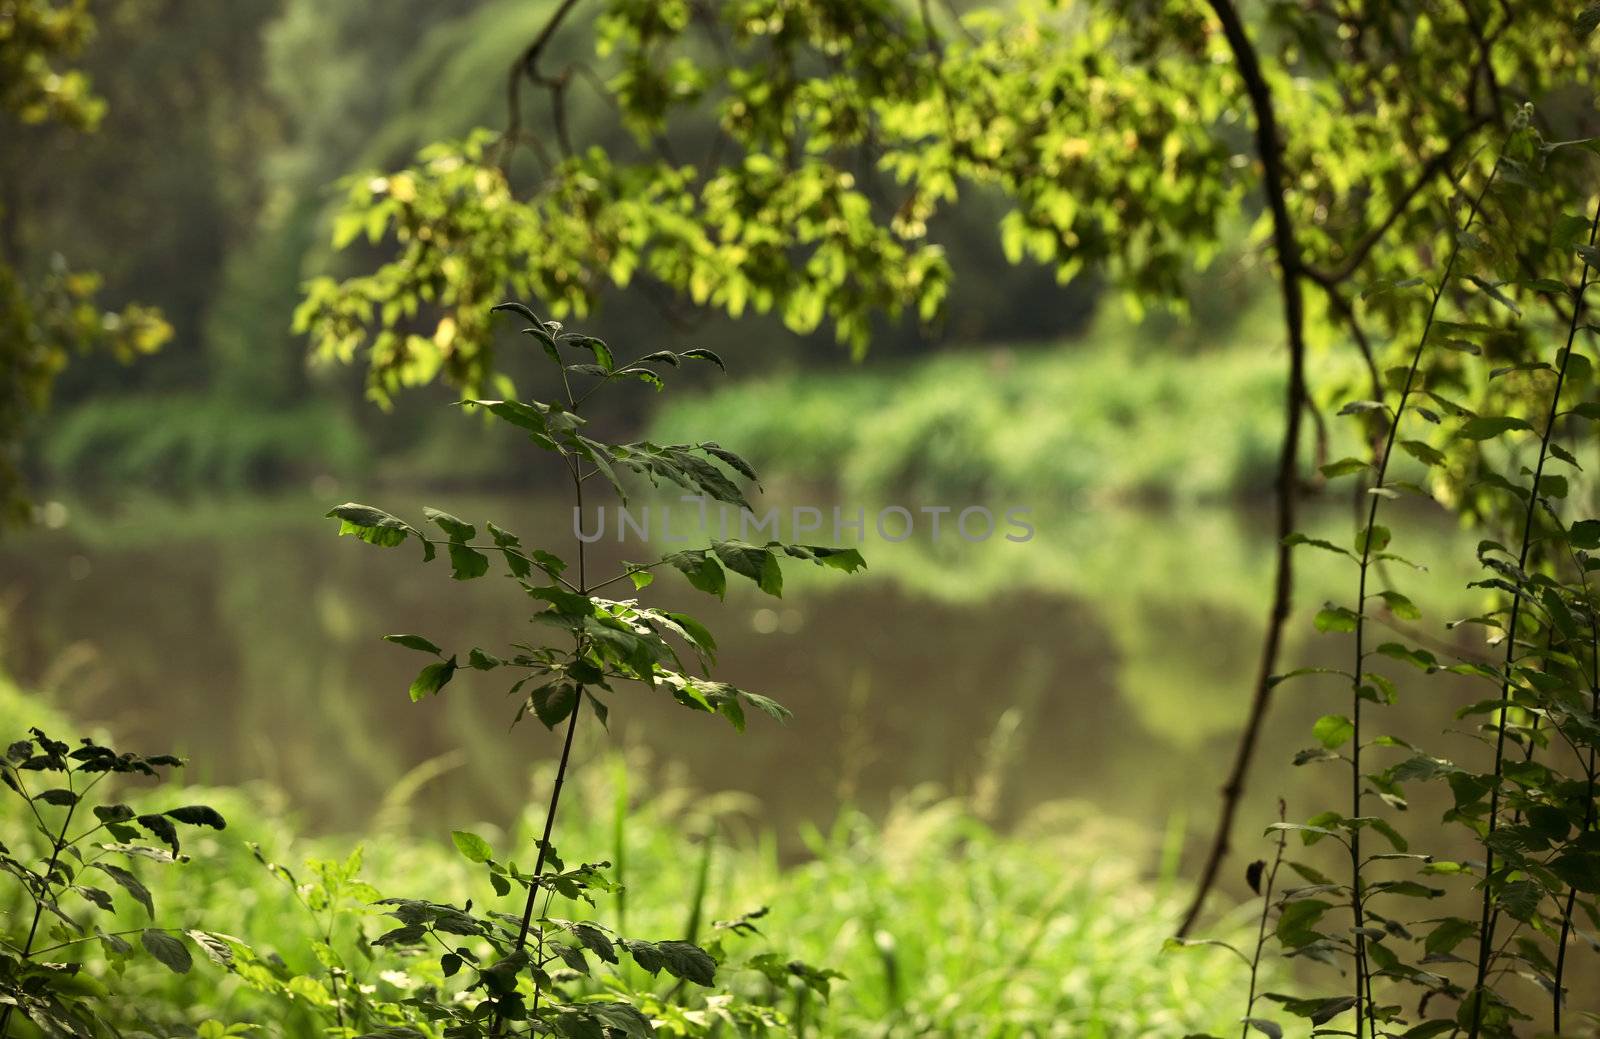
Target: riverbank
(939,924)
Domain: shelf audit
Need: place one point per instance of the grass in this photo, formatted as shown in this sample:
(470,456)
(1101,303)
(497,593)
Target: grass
(941,925)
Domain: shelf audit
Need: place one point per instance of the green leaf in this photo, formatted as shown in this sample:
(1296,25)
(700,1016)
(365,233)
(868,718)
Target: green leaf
(1174,944)
(470,845)
(1297,921)
(162,829)
(131,884)
(700,354)
(697,632)
(1418,658)
(523,416)
(1319,1011)
(1587,20)
(566,603)
(198,815)
(733,461)
(1382,826)
(680,959)
(602,353)
(1344,467)
(702,571)
(375,527)
(1520,898)
(1373,539)
(1450,933)
(521,309)
(478,660)
(847,559)
(1487,427)
(752,561)
(433,678)
(1400,606)
(466,563)
(1335,618)
(169,950)
(457,530)
(1380,286)
(1274,680)
(603,1021)
(553,702)
(414,642)
(1327,546)
(1492,290)
(215,947)
(1333,730)
(1424,453)
(1585,534)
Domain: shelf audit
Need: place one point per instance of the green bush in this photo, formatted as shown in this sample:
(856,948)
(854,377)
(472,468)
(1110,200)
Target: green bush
(193,441)
(1084,419)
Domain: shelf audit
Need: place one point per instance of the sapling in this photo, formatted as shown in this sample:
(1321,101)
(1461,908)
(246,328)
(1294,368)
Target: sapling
(519,982)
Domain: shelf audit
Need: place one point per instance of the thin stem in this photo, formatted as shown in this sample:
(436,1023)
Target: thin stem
(1557,995)
(1490,914)
(100,935)
(508,551)
(1357,907)
(333,972)
(1261,930)
(58,845)
(625,576)
(566,754)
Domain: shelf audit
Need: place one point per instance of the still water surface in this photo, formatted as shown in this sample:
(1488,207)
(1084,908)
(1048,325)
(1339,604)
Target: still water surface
(1107,661)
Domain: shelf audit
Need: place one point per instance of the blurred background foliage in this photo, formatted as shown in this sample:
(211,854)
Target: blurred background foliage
(206,191)
(1094,220)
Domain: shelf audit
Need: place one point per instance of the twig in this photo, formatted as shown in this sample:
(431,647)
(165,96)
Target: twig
(1490,912)
(1261,931)
(1274,186)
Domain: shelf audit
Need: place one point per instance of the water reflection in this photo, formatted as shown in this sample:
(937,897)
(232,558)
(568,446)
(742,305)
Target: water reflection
(1124,642)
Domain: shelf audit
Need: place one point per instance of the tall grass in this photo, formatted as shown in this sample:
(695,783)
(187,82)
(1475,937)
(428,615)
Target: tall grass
(942,925)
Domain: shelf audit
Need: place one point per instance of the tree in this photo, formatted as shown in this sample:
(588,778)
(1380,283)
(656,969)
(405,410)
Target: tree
(1123,135)
(48,311)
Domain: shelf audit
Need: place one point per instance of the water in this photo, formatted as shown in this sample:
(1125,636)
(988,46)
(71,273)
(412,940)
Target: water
(1107,661)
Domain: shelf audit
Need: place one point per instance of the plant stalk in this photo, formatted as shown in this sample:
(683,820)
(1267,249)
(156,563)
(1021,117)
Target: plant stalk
(1357,907)
(566,752)
(57,846)
(1261,930)
(1490,914)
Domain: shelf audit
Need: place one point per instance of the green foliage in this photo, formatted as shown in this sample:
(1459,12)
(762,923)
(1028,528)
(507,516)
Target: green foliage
(193,440)
(1037,432)
(1526,789)
(48,311)
(58,870)
(843,134)
(535,967)
(1062,925)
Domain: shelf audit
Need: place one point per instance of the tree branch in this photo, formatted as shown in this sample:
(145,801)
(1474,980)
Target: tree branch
(527,64)
(1364,246)
(1273,185)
